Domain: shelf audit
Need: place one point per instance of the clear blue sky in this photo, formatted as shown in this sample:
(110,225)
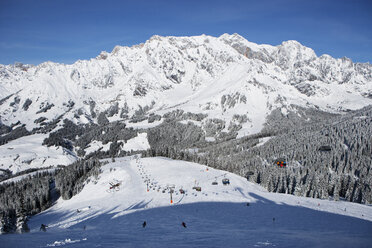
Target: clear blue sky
(33,31)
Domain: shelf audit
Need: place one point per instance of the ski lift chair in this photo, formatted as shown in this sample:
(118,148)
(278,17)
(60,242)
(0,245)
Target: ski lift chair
(225,181)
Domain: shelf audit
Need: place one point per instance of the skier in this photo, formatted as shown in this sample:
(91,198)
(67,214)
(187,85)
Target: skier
(43,227)
(184,224)
(247,204)
(144,224)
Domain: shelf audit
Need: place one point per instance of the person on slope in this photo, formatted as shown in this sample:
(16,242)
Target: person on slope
(144,224)
(184,224)
(43,227)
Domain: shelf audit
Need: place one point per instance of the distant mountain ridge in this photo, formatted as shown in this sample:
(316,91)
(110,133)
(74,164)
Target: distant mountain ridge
(220,77)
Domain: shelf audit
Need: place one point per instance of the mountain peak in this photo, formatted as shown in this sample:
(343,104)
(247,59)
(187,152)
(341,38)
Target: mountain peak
(156,37)
(292,43)
(291,52)
(235,36)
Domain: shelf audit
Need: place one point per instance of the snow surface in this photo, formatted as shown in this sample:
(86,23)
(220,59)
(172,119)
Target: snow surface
(143,124)
(96,145)
(28,153)
(138,143)
(262,141)
(218,216)
(210,139)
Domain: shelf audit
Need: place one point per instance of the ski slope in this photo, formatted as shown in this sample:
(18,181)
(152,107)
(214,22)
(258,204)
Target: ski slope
(217,216)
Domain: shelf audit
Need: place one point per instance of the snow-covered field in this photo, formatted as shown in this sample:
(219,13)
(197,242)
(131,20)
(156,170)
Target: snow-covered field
(28,153)
(137,143)
(217,216)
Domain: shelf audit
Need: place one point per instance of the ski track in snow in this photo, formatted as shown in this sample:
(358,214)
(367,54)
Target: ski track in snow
(218,216)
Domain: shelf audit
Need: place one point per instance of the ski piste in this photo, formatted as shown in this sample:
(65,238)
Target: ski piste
(239,214)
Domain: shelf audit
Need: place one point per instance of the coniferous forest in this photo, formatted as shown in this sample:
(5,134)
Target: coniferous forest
(33,194)
(330,158)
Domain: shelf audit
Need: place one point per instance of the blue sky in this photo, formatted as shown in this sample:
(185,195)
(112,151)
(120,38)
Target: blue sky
(33,31)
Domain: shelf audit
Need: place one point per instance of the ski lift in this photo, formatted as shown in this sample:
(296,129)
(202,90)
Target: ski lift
(196,185)
(215,182)
(225,181)
(281,162)
(197,188)
(325,148)
(114,186)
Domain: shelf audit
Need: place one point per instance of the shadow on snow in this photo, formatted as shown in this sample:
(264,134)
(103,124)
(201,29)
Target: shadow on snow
(263,223)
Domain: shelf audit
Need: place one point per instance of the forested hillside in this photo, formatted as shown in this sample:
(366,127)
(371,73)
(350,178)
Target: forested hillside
(33,194)
(327,157)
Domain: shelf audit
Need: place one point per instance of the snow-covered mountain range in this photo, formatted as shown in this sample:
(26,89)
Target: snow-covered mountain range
(221,77)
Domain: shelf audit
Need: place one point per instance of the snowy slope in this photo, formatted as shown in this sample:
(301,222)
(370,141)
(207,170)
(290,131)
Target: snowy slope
(138,143)
(218,216)
(29,153)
